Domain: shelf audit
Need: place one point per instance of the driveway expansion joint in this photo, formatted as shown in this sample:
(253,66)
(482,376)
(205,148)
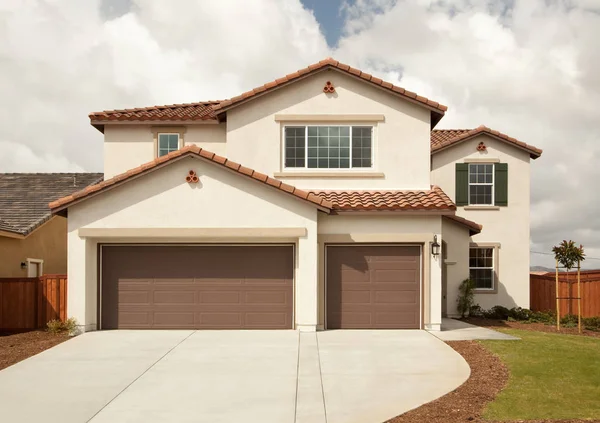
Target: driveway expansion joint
(139,376)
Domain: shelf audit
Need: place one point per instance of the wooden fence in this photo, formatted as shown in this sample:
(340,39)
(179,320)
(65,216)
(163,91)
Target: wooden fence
(542,289)
(30,303)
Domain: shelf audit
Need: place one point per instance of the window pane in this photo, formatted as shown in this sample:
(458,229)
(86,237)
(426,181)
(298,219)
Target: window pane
(480,194)
(312,131)
(294,143)
(483,278)
(361,146)
(312,141)
(345,131)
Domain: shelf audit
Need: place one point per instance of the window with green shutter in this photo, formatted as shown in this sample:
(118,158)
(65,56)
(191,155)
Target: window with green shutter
(481,184)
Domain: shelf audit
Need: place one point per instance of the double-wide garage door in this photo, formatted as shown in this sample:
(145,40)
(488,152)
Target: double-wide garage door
(199,287)
(373,287)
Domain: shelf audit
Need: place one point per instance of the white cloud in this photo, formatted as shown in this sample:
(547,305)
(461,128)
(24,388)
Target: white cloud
(59,61)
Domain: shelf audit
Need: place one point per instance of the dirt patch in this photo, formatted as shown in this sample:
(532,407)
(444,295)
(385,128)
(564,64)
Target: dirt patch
(466,403)
(15,347)
(538,327)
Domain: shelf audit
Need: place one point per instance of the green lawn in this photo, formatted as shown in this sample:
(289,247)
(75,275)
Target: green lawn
(551,377)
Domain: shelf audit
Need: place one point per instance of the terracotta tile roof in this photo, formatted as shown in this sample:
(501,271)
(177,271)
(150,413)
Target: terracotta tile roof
(24,197)
(208,110)
(201,111)
(443,138)
(433,199)
(474,228)
(195,151)
(439,109)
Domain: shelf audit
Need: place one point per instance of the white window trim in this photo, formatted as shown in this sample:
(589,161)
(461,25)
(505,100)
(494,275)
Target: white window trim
(306,169)
(37,261)
(495,253)
(158,130)
(493,184)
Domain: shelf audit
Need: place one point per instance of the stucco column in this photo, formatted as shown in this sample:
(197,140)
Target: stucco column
(306,311)
(81,265)
(435,287)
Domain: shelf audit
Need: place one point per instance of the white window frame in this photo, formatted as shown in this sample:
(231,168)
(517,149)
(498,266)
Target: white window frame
(39,262)
(493,268)
(323,169)
(493,184)
(179,139)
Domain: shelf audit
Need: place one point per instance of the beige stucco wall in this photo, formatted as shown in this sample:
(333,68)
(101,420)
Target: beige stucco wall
(127,146)
(400,229)
(221,201)
(509,226)
(48,243)
(401,142)
(457,239)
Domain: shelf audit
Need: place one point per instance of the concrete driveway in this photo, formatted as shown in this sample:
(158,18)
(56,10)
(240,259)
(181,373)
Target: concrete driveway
(230,376)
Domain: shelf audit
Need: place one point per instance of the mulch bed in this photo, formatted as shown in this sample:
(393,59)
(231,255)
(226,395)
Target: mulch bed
(15,347)
(538,327)
(466,403)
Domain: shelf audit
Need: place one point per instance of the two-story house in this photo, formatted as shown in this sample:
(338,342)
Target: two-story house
(321,200)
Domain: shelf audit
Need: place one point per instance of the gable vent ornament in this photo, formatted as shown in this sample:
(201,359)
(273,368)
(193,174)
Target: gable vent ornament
(191,177)
(481,147)
(328,88)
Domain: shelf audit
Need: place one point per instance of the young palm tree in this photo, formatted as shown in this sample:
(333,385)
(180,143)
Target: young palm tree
(568,255)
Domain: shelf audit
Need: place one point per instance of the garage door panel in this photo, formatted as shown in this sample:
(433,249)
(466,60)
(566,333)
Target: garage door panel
(219,320)
(134,297)
(197,287)
(172,297)
(373,287)
(220,297)
(397,297)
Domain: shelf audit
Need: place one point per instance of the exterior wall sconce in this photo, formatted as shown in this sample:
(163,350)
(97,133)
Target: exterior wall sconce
(435,247)
(23,265)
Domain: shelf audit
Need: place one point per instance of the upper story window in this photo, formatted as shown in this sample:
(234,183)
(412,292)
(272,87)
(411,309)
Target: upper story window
(328,147)
(481,184)
(167,142)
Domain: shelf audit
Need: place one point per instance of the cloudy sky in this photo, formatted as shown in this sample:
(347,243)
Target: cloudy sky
(530,68)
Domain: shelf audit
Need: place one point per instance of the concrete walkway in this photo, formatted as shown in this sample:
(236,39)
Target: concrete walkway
(457,330)
(227,376)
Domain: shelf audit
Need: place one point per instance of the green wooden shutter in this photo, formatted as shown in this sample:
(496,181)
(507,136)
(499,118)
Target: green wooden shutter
(462,184)
(501,184)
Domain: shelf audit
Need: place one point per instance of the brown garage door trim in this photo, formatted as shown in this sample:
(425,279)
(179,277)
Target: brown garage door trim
(378,244)
(187,244)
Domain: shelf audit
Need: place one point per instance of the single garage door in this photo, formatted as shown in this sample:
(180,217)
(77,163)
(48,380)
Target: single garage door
(197,287)
(373,287)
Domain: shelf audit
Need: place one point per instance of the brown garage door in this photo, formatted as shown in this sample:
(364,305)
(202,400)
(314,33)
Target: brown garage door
(199,287)
(373,287)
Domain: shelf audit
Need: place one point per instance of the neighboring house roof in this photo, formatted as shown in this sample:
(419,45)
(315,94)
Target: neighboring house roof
(208,110)
(444,138)
(193,151)
(433,199)
(474,228)
(24,197)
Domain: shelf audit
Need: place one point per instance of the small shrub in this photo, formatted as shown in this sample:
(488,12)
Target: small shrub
(466,297)
(58,326)
(476,311)
(569,321)
(519,314)
(497,312)
(546,317)
(591,323)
